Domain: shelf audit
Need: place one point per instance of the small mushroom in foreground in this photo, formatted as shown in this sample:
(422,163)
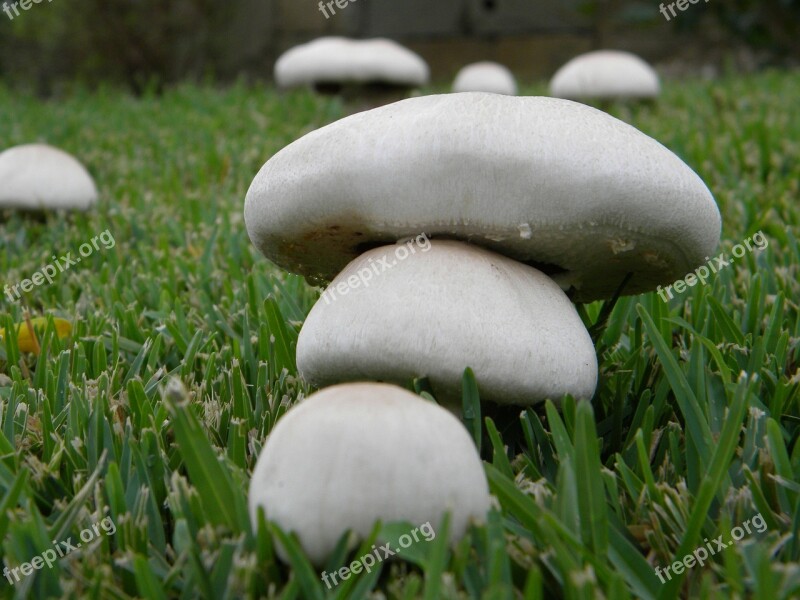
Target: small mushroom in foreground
(351,455)
(41,177)
(354,68)
(485,76)
(605,75)
(439,309)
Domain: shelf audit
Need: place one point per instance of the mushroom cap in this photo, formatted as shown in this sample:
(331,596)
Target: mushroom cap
(605,74)
(524,341)
(342,60)
(485,77)
(354,454)
(552,183)
(41,177)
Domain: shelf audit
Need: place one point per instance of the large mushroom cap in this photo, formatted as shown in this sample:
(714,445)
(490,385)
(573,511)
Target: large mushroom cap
(40,177)
(605,74)
(485,77)
(556,184)
(338,60)
(351,455)
(525,341)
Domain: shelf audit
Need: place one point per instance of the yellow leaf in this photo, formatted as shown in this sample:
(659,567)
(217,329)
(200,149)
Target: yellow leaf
(27,343)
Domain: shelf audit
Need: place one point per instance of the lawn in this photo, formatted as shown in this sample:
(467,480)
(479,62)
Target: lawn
(181,360)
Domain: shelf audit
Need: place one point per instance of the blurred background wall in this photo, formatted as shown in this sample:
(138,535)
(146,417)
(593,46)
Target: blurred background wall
(148,43)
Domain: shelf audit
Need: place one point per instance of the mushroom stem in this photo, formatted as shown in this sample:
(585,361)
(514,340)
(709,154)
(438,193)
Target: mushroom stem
(599,326)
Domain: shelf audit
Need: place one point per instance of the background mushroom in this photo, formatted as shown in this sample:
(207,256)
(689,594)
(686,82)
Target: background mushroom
(485,77)
(41,177)
(378,68)
(351,455)
(435,312)
(605,75)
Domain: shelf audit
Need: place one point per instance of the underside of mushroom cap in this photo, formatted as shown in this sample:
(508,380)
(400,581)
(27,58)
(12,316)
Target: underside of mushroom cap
(605,74)
(552,183)
(340,61)
(41,177)
(399,312)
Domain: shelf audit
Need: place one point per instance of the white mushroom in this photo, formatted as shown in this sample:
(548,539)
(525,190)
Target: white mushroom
(558,185)
(351,455)
(412,310)
(586,199)
(338,61)
(40,177)
(605,74)
(485,77)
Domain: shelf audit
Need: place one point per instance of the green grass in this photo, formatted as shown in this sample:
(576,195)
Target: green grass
(182,360)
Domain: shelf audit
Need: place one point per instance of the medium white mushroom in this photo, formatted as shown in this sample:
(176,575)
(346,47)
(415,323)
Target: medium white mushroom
(331,63)
(485,77)
(605,75)
(40,177)
(410,310)
(558,185)
(351,455)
